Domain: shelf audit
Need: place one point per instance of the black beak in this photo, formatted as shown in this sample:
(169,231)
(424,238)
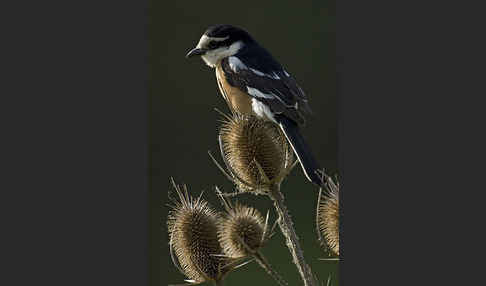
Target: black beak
(195,52)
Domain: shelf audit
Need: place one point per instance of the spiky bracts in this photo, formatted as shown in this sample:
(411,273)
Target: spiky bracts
(193,232)
(328,217)
(241,231)
(255,151)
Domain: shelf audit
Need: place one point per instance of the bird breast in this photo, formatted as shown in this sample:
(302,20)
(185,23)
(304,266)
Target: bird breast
(237,99)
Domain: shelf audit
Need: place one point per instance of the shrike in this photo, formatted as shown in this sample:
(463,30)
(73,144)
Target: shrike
(253,82)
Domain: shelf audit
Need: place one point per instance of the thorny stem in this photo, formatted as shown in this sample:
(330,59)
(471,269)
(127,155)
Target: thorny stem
(287,227)
(265,265)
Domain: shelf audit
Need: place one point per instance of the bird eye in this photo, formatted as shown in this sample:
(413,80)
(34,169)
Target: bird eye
(212,44)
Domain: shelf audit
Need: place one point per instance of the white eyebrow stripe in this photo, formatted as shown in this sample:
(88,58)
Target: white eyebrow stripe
(256,93)
(216,38)
(205,40)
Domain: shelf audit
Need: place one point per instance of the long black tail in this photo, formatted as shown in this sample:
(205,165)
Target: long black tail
(301,149)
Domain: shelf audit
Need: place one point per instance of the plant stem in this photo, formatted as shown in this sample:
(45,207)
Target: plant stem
(219,282)
(265,265)
(287,228)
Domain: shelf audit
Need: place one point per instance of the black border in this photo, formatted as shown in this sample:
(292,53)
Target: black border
(74,143)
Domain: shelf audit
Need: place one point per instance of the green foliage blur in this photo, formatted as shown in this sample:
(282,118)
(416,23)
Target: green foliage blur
(183,125)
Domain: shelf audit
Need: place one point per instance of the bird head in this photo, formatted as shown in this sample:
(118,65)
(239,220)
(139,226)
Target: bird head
(219,42)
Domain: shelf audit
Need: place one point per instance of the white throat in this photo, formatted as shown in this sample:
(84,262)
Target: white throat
(213,57)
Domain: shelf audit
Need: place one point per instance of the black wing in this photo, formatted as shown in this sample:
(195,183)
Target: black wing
(264,79)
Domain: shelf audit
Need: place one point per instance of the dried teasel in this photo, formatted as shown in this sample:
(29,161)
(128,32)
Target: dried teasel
(242,232)
(194,245)
(328,216)
(255,151)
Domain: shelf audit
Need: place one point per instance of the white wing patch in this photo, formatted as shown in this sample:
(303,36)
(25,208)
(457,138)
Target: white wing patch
(256,93)
(236,65)
(261,110)
(273,75)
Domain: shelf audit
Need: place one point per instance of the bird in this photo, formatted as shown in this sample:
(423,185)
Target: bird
(253,82)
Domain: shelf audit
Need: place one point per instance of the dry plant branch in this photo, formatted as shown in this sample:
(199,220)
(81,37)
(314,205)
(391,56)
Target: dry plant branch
(292,240)
(267,159)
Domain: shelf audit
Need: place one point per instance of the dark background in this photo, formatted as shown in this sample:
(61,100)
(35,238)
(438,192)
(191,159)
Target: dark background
(74,197)
(183,124)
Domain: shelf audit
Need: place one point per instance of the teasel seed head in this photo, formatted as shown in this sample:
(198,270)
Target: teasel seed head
(242,233)
(242,230)
(328,216)
(193,233)
(255,151)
